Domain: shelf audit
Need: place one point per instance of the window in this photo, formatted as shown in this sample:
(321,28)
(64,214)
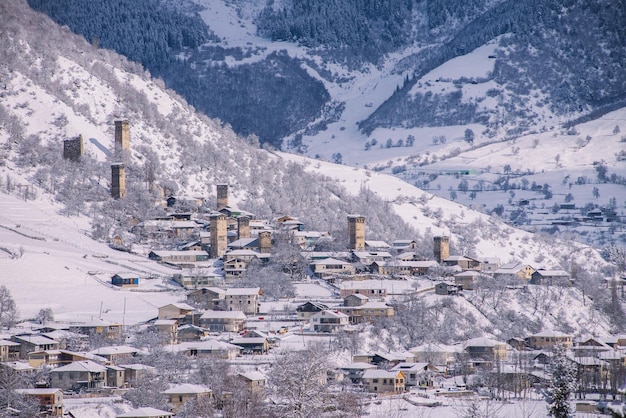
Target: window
(374,380)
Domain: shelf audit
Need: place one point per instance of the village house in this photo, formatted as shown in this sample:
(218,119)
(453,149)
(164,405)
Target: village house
(360,309)
(252,344)
(382,381)
(44,357)
(50,400)
(464,262)
(176,310)
(102,327)
(485,349)
(236,262)
(134,372)
(354,371)
(115,354)
(309,308)
(366,258)
(329,321)
(417,374)
(467,279)
(207,297)
(9,350)
(125,280)
(374,245)
(549,339)
(373,289)
(223,321)
(30,343)
(254,381)
(207,348)
(179,257)
(489,265)
(550,277)
(197,278)
(190,332)
(167,329)
(308,239)
(440,355)
(402,267)
(245,299)
(115,376)
(179,395)
(330,266)
(519,270)
(404,245)
(447,288)
(78,375)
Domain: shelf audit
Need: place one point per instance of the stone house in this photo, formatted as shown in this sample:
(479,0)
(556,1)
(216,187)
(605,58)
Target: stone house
(245,299)
(207,297)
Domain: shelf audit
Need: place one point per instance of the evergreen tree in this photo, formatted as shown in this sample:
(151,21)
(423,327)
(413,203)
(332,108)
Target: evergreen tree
(561,384)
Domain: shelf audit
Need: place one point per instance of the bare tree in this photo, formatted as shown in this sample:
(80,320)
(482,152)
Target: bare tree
(298,383)
(8,309)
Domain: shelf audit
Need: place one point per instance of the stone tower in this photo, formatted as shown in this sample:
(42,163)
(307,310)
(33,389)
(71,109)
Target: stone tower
(265,242)
(122,136)
(222,196)
(73,149)
(118,181)
(218,228)
(243,227)
(356,232)
(441,248)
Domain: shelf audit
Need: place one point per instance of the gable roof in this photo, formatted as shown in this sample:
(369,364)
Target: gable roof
(81,366)
(145,412)
(187,388)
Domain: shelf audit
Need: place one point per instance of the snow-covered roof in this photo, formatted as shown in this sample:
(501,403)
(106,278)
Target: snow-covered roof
(242,291)
(145,412)
(379,374)
(81,366)
(114,350)
(187,388)
(253,376)
(223,314)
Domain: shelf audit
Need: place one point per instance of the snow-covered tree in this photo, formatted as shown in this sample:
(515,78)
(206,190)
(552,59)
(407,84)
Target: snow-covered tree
(561,385)
(298,383)
(8,308)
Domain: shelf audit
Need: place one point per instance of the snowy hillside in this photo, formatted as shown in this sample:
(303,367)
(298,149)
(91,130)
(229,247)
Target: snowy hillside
(52,94)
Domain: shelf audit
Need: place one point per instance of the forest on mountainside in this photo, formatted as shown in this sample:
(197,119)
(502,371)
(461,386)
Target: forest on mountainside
(570,51)
(269,98)
(367,29)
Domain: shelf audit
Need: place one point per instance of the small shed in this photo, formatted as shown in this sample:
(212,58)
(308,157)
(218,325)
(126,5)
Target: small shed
(125,280)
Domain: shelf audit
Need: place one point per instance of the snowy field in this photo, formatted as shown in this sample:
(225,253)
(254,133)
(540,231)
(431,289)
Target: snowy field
(54,264)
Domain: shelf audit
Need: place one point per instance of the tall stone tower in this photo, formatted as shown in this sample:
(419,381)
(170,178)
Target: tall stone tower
(218,228)
(222,196)
(356,232)
(73,148)
(118,181)
(265,242)
(122,136)
(441,248)
(243,227)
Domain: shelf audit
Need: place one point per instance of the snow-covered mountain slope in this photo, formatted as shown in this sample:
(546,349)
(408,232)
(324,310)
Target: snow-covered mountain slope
(58,86)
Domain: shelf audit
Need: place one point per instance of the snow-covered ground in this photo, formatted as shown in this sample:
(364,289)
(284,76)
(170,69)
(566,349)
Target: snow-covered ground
(55,264)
